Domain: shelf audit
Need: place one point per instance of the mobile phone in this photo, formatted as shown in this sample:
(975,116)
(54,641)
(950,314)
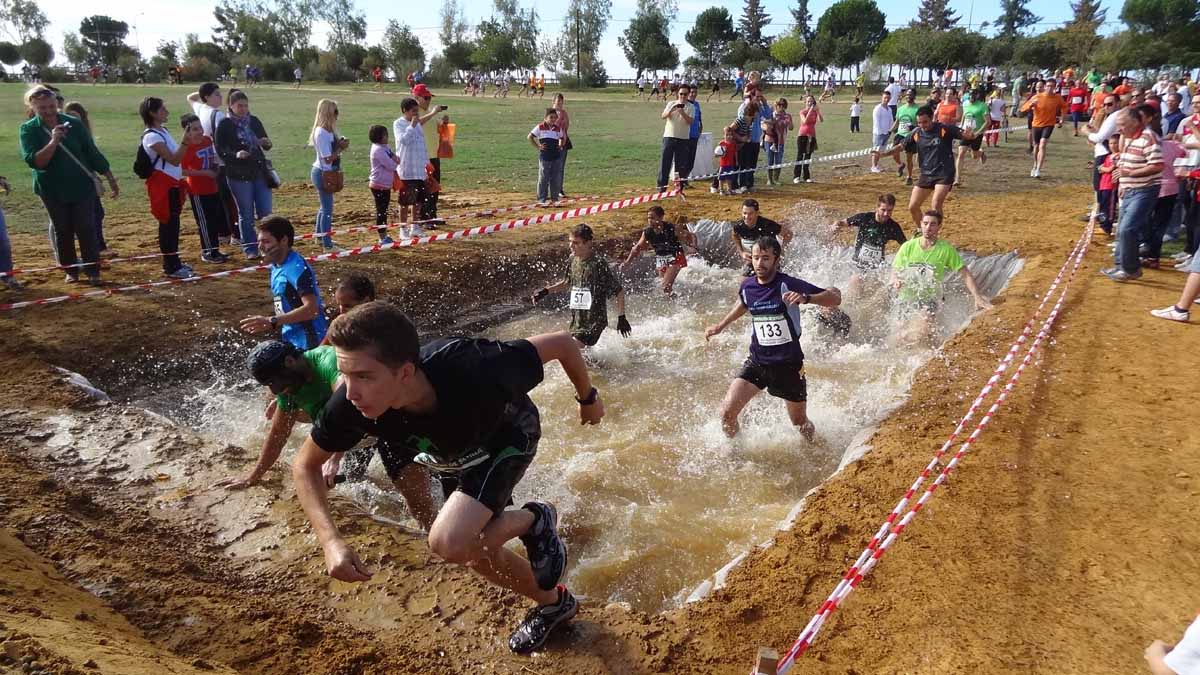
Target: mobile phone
(444,107)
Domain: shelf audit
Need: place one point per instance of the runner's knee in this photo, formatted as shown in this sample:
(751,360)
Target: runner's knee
(452,548)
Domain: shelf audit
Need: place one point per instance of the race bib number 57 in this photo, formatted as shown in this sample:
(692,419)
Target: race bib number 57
(581,298)
(771,330)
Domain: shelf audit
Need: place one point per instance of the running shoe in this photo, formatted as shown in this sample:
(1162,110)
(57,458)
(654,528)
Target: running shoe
(547,552)
(181,273)
(909,181)
(70,279)
(540,621)
(1171,313)
(900,171)
(876,169)
(1184,265)
(1122,275)
(795,181)
(713,190)
(214,258)
(11,283)
(1182,255)
(386,241)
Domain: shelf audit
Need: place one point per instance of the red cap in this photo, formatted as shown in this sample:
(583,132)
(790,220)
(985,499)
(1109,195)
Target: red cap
(1153,103)
(422,91)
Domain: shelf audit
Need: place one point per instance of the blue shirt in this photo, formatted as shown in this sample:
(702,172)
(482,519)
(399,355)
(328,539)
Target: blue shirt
(775,326)
(694,132)
(291,281)
(738,82)
(1171,121)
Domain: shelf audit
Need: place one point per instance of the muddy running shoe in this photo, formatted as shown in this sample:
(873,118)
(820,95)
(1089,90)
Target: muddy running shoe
(1171,313)
(808,430)
(541,621)
(547,552)
(900,171)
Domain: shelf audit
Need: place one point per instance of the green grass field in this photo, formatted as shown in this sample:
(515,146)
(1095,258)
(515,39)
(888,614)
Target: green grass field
(617,139)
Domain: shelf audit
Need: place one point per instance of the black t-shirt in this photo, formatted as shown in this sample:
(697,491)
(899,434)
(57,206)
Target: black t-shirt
(480,386)
(664,241)
(872,237)
(763,227)
(935,150)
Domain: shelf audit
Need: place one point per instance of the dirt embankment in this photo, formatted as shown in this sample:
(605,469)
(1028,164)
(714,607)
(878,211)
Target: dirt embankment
(1064,543)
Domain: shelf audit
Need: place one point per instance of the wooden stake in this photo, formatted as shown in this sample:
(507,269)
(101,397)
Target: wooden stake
(767,663)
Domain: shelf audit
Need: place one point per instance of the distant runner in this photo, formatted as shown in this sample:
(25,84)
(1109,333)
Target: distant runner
(875,229)
(776,362)
(752,228)
(591,282)
(664,239)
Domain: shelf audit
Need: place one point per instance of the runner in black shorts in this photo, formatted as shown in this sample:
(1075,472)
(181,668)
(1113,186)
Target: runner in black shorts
(663,238)
(461,407)
(776,362)
(934,144)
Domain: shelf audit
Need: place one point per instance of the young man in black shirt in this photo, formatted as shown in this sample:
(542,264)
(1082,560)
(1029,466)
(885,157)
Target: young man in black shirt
(934,144)
(665,239)
(753,227)
(459,406)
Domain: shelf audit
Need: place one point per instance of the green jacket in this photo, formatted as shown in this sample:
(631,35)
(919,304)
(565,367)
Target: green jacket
(62,180)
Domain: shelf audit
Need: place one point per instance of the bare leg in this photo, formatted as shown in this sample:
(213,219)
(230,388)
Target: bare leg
(668,278)
(940,193)
(798,413)
(1041,153)
(1191,291)
(915,202)
(962,150)
(413,483)
(740,393)
(467,533)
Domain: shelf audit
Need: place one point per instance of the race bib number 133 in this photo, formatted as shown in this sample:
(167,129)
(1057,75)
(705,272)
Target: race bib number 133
(771,330)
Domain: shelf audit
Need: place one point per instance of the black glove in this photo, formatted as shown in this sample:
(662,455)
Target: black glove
(542,292)
(623,326)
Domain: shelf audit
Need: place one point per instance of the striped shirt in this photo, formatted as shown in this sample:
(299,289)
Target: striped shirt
(1138,153)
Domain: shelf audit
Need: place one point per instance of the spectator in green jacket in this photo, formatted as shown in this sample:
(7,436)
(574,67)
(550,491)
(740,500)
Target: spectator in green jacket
(64,158)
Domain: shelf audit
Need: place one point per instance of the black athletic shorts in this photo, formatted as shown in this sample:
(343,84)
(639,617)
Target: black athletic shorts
(975,145)
(588,339)
(490,482)
(1042,133)
(781,380)
(927,182)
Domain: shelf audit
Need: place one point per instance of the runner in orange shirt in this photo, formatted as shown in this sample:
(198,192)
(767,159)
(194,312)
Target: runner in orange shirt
(1048,109)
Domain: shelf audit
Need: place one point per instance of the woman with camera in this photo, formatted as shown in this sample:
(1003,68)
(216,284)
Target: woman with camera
(327,169)
(241,140)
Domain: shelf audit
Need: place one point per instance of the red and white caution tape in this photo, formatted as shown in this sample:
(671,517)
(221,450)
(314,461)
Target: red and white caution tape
(363,250)
(883,538)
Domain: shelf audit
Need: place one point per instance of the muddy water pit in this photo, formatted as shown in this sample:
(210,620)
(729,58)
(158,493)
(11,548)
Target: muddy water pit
(653,501)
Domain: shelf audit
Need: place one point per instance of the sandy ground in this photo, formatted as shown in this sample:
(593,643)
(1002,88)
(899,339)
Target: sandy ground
(1061,545)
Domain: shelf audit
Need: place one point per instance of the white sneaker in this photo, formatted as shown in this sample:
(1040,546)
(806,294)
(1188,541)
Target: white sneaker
(713,190)
(1177,257)
(876,169)
(808,180)
(1033,173)
(1171,314)
(795,181)
(1184,264)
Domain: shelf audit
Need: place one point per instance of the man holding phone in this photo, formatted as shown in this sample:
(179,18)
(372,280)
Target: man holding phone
(675,145)
(427,111)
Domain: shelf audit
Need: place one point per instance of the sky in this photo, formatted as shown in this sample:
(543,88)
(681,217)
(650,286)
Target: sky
(179,17)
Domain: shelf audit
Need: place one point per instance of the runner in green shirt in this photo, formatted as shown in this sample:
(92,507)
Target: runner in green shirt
(919,269)
(1094,78)
(591,282)
(906,121)
(975,116)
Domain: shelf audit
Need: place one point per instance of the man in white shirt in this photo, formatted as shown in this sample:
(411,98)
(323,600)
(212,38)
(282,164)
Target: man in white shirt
(676,132)
(206,103)
(299,75)
(883,123)
(893,91)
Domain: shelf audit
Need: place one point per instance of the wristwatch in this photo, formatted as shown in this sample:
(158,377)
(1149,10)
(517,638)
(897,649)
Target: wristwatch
(591,397)
(807,298)
(274,322)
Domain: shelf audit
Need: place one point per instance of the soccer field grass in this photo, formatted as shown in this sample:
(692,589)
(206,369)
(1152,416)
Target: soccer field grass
(616,138)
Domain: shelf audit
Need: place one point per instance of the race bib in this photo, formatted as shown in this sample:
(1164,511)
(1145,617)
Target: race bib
(581,298)
(771,330)
(969,123)
(870,253)
(905,127)
(748,244)
(661,261)
(278,305)
(1076,100)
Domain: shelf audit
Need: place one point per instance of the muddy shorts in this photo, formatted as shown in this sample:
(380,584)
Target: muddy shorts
(913,307)
(976,144)
(928,182)
(589,339)
(414,193)
(781,380)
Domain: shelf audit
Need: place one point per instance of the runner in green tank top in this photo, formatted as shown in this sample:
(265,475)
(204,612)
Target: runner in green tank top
(975,115)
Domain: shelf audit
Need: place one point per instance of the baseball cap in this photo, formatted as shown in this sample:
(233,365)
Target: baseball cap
(422,91)
(266,359)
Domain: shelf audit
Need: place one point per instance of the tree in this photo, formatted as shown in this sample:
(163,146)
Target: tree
(848,32)
(647,40)
(376,56)
(1079,39)
(520,27)
(103,36)
(802,19)
(10,54)
(37,51)
(404,51)
(753,23)
(292,21)
(789,51)
(347,23)
(354,55)
(457,55)
(1163,31)
(577,49)
(167,51)
(23,20)
(1040,52)
(1088,11)
(935,15)
(1014,16)
(193,48)
(906,47)
(454,25)
(73,49)
(710,38)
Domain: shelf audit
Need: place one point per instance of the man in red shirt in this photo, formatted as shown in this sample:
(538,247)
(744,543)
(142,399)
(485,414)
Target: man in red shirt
(377,75)
(1077,100)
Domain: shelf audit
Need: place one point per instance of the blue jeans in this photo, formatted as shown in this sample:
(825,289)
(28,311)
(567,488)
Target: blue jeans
(6,263)
(325,212)
(253,198)
(774,153)
(1137,205)
(549,179)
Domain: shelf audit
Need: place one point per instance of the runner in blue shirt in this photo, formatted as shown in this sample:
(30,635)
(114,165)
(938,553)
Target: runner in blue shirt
(299,314)
(776,361)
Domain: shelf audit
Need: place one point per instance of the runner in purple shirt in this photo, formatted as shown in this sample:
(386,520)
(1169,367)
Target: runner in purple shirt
(776,361)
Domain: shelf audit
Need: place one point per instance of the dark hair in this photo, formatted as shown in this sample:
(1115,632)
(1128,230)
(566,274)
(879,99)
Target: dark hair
(377,133)
(1145,112)
(769,242)
(360,285)
(76,108)
(408,104)
(236,95)
(782,103)
(683,86)
(656,210)
(186,120)
(752,203)
(278,227)
(926,111)
(934,213)
(887,198)
(381,328)
(583,231)
(207,90)
(550,111)
(149,106)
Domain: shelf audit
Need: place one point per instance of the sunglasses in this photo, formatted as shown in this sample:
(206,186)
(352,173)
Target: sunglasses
(42,93)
